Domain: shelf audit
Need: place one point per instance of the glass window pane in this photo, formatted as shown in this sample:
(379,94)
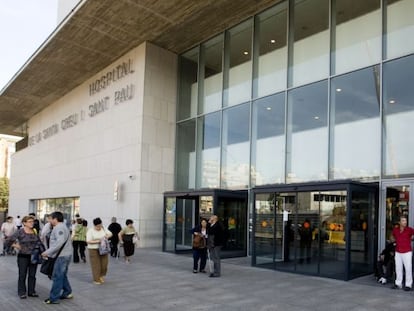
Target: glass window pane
(272,49)
(268,140)
(208,171)
(400,28)
(235,151)
(355,121)
(398,106)
(186,156)
(188,84)
(357,34)
(239,64)
(307,136)
(311,41)
(169,225)
(213,74)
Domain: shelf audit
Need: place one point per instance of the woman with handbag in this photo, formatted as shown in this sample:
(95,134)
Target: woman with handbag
(25,240)
(199,246)
(97,257)
(128,238)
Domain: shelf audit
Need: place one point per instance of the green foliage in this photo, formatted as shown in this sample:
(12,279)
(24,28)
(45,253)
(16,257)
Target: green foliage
(4,193)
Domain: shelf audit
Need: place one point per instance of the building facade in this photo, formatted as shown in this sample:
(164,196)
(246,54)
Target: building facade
(288,119)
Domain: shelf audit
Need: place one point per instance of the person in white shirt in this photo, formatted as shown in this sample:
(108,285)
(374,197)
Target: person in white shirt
(7,229)
(18,222)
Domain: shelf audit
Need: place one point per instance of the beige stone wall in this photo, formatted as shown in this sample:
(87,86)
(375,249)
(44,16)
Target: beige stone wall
(129,142)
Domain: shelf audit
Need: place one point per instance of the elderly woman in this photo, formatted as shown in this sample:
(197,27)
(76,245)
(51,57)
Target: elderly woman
(99,263)
(25,240)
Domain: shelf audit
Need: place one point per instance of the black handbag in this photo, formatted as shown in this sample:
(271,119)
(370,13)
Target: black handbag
(36,257)
(49,263)
(47,266)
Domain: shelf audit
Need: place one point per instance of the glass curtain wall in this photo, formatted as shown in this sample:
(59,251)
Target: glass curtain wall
(235,171)
(270,65)
(67,206)
(307,133)
(208,164)
(358,34)
(309,52)
(268,140)
(398,111)
(310,47)
(238,64)
(355,125)
(399,28)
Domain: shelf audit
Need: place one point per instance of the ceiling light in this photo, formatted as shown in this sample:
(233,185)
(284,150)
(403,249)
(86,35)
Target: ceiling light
(268,108)
(316,117)
(338,90)
(392,101)
(246,53)
(273,41)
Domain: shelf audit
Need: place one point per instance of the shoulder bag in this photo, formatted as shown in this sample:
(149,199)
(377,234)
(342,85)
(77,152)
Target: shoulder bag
(49,263)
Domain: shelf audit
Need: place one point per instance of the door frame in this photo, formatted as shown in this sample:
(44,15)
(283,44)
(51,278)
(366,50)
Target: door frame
(383,196)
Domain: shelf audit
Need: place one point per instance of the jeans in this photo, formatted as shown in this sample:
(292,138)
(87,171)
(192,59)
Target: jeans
(26,268)
(60,286)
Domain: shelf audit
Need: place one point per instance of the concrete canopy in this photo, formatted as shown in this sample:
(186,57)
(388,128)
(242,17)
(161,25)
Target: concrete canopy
(98,32)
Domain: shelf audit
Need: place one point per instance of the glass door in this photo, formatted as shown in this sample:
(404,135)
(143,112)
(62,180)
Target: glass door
(396,202)
(185,221)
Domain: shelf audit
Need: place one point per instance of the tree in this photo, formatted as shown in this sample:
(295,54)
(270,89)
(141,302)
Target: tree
(4,194)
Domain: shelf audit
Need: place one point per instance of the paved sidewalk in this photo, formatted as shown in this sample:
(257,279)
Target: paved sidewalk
(163,281)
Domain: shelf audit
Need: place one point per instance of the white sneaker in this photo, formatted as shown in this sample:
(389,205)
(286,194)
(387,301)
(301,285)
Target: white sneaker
(383,280)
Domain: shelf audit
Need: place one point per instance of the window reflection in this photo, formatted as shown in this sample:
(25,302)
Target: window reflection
(271,30)
(311,41)
(211,67)
(209,151)
(239,56)
(188,84)
(357,34)
(398,109)
(186,157)
(235,150)
(307,136)
(268,140)
(400,27)
(355,120)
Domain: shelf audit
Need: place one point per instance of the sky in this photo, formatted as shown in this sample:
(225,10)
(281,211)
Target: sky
(24,26)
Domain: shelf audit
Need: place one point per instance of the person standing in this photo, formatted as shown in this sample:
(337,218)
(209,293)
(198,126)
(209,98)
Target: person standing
(46,231)
(78,241)
(126,237)
(61,247)
(25,240)
(99,263)
(215,243)
(199,246)
(115,228)
(18,222)
(8,228)
(403,254)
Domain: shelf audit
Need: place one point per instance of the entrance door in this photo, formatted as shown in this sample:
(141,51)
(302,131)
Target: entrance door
(187,213)
(396,202)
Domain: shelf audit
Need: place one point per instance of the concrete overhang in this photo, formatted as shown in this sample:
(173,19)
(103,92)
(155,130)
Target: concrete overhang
(97,32)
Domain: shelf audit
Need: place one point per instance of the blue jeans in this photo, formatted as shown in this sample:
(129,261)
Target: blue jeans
(60,286)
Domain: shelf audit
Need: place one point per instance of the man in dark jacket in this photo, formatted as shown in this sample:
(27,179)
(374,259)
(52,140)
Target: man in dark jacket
(215,242)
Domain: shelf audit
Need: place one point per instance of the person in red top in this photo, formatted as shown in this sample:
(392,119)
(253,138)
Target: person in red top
(403,254)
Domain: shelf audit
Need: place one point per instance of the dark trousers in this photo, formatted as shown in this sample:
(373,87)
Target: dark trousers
(26,268)
(199,254)
(78,248)
(215,258)
(113,242)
